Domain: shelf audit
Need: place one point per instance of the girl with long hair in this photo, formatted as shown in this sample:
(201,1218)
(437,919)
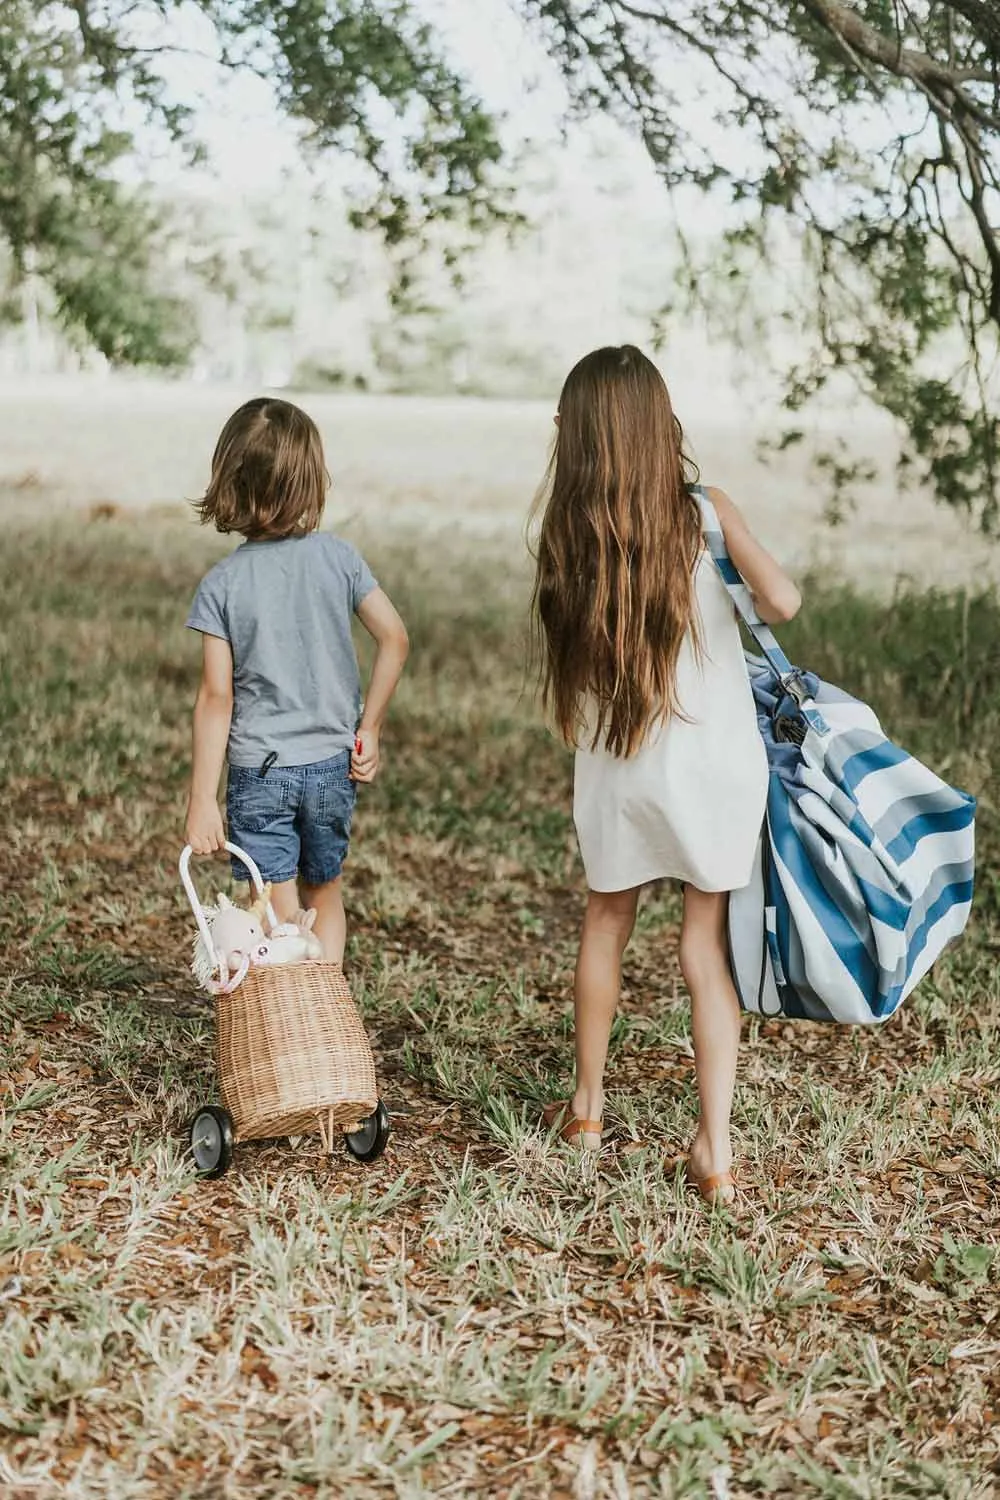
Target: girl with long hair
(643,673)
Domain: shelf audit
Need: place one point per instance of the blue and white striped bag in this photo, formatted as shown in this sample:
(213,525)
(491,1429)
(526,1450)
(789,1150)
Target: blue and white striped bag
(865,866)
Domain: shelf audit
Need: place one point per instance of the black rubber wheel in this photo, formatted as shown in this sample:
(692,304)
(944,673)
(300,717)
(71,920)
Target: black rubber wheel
(212,1140)
(371,1137)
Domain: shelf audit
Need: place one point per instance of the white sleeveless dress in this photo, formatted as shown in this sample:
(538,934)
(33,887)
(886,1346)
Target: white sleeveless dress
(690,803)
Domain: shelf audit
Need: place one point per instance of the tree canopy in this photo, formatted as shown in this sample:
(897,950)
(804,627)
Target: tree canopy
(871,130)
(364,78)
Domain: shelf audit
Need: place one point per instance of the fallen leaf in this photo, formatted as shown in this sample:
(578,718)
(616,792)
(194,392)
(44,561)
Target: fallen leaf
(255,1365)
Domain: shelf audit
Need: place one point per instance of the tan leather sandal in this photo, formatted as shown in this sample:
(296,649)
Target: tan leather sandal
(718,1188)
(587,1133)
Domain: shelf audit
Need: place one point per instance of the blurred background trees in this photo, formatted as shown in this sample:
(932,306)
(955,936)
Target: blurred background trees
(870,132)
(829,171)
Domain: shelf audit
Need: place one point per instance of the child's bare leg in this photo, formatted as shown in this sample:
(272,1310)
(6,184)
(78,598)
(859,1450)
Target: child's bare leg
(285,900)
(331,921)
(607,927)
(715,1025)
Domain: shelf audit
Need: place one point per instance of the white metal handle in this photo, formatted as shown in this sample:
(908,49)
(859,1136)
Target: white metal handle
(198,909)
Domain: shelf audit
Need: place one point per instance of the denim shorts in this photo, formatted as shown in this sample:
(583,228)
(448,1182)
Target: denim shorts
(296,820)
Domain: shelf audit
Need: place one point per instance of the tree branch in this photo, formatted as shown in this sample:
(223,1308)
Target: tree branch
(984,18)
(905,62)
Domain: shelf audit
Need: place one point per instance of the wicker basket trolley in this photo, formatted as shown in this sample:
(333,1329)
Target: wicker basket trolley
(292,1056)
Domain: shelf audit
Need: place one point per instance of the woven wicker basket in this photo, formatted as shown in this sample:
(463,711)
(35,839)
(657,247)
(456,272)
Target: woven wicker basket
(293,1056)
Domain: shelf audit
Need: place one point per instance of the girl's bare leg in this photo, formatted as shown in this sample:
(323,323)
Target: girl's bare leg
(607,927)
(715,1025)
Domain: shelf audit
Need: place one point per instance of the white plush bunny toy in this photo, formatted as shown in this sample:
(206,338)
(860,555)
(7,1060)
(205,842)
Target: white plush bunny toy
(294,942)
(239,940)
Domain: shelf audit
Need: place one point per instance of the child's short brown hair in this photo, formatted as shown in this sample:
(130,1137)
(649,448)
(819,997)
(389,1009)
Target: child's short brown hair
(269,477)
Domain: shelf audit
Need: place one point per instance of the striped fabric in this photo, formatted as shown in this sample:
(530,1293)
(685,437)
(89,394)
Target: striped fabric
(865,865)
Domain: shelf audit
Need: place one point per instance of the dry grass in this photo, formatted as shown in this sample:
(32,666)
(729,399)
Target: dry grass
(478,1313)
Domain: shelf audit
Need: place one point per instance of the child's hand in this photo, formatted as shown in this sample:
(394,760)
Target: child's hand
(204,831)
(365,760)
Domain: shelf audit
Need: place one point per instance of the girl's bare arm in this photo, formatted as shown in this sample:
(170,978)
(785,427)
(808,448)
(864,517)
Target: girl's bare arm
(774,593)
(213,712)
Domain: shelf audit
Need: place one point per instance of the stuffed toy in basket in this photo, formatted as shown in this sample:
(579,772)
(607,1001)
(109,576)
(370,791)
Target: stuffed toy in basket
(293,1056)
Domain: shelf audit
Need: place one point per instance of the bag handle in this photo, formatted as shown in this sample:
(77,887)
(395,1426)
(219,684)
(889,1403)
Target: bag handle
(192,894)
(791,679)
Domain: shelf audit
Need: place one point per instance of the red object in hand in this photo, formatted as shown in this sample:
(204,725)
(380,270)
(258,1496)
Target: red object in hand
(357,744)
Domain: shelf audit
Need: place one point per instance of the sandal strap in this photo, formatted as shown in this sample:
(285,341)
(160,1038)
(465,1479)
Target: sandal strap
(581,1127)
(715,1181)
(560,1115)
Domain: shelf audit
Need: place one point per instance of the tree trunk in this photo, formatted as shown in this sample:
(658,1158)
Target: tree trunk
(30,314)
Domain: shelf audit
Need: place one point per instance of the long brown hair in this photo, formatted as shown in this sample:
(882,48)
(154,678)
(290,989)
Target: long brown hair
(269,477)
(617,548)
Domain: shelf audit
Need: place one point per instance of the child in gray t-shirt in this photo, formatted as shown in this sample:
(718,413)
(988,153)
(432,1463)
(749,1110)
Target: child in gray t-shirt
(280,697)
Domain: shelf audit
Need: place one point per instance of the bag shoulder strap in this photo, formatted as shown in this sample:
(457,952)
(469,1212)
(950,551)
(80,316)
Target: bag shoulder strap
(789,676)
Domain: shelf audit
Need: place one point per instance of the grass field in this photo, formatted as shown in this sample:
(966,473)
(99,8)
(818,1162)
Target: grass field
(446,463)
(478,1313)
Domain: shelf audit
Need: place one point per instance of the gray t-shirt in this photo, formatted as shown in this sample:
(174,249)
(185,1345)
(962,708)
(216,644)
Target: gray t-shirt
(285,607)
